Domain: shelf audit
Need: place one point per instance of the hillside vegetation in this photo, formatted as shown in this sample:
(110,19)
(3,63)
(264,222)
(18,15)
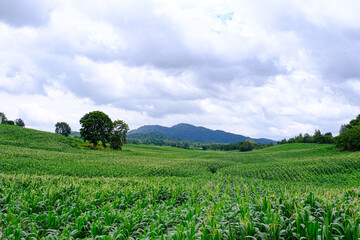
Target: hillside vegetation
(53,188)
(188,132)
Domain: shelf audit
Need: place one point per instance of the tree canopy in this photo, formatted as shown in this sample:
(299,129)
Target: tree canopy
(318,137)
(118,135)
(349,138)
(62,128)
(96,126)
(353,123)
(2,117)
(19,122)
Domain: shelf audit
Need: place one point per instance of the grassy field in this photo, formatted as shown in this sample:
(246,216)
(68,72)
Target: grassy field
(53,188)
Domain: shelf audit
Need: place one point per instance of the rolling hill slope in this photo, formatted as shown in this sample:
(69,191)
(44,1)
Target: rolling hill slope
(34,139)
(50,188)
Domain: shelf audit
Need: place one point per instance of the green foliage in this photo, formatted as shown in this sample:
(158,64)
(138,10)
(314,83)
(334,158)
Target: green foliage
(353,123)
(243,146)
(51,207)
(51,189)
(96,126)
(160,139)
(153,138)
(75,134)
(342,128)
(2,117)
(62,128)
(247,145)
(349,140)
(9,122)
(19,122)
(118,134)
(307,138)
(319,138)
(23,140)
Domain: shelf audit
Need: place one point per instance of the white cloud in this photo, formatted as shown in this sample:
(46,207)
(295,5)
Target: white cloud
(331,13)
(354,85)
(33,112)
(262,69)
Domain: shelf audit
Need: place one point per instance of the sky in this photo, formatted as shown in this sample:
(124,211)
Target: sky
(268,68)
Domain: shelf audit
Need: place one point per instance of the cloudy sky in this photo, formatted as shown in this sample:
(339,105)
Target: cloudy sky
(271,68)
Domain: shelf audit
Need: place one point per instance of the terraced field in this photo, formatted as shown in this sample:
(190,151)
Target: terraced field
(53,188)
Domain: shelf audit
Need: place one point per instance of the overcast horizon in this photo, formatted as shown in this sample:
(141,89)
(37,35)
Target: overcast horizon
(264,69)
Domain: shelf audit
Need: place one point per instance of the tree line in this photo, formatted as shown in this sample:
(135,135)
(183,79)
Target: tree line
(97,127)
(17,122)
(318,138)
(159,139)
(349,137)
(347,140)
(162,142)
(244,146)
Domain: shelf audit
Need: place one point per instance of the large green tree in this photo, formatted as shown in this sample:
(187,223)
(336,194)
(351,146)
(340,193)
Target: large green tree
(247,145)
(342,128)
(318,137)
(19,122)
(3,118)
(351,124)
(349,138)
(118,135)
(62,128)
(95,127)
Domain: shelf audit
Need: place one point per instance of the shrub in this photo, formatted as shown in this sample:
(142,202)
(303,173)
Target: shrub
(349,140)
(19,122)
(247,145)
(9,122)
(62,128)
(118,135)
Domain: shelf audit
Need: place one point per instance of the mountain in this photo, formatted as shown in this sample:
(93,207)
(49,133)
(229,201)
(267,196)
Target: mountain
(192,133)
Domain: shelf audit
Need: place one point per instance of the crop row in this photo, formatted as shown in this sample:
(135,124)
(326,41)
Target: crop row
(89,163)
(143,162)
(337,170)
(214,207)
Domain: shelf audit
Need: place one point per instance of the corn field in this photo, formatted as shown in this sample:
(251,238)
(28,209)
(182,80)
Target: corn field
(52,189)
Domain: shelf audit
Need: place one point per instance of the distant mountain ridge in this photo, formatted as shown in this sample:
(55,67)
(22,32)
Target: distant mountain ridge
(194,134)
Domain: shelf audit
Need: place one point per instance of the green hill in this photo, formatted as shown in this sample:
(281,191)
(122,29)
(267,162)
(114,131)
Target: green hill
(52,188)
(191,133)
(30,138)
